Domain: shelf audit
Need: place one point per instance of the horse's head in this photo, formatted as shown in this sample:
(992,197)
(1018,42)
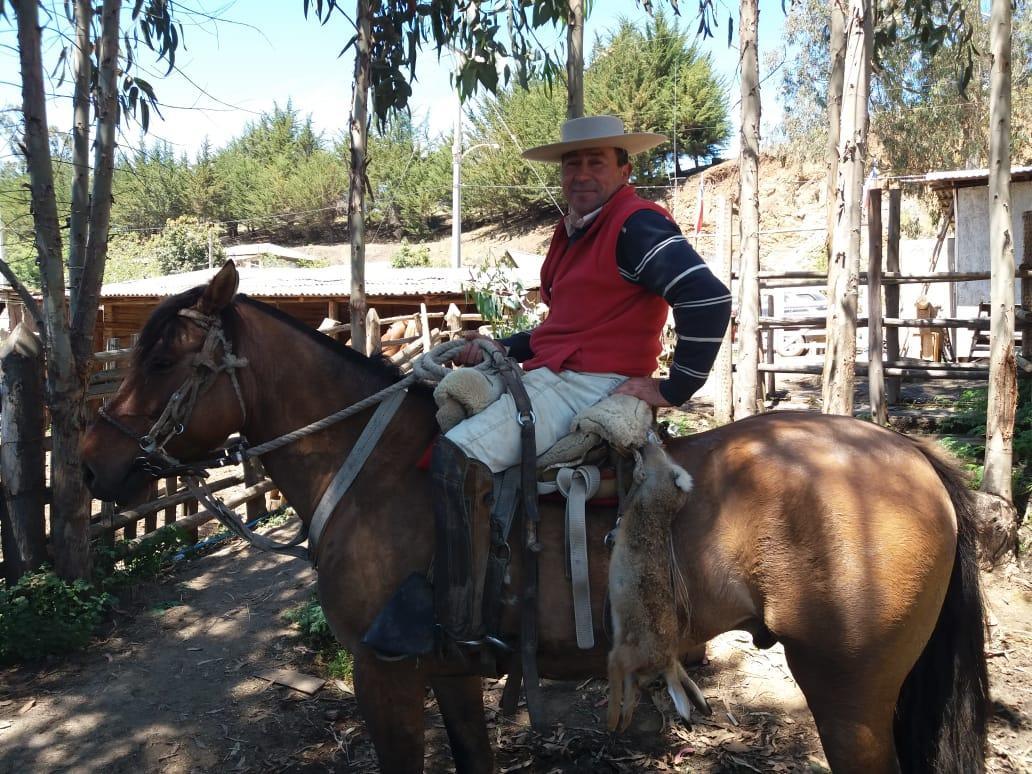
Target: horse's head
(180,399)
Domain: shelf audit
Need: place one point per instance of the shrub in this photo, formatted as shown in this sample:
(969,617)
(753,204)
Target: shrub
(501,299)
(411,257)
(123,563)
(311,623)
(42,614)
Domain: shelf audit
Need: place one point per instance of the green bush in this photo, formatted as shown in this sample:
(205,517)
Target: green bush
(311,623)
(42,614)
(411,257)
(501,299)
(315,632)
(124,563)
(970,421)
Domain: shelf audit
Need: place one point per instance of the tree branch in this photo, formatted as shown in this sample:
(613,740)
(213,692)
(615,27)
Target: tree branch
(23,293)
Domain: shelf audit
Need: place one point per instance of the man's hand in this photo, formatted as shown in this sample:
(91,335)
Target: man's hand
(644,388)
(472,353)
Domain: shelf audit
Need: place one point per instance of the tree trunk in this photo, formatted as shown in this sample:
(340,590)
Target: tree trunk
(747,396)
(999,425)
(65,384)
(844,263)
(836,76)
(80,211)
(86,296)
(575,60)
(22,458)
(356,196)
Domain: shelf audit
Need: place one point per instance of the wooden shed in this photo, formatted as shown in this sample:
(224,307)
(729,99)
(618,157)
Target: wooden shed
(969,189)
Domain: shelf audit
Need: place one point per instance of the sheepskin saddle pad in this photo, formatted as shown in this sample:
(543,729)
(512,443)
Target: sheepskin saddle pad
(621,421)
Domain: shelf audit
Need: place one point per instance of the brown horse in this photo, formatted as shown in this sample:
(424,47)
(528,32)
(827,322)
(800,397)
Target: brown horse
(850,544)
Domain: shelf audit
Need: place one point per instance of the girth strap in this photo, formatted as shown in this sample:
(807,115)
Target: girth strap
(350,469)
(577,485)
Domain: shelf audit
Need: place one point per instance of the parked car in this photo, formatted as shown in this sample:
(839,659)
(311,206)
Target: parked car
(796,303)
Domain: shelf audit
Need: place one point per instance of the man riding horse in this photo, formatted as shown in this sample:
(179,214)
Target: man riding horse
(615,265)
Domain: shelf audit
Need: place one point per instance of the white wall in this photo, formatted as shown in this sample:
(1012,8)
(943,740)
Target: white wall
(973,247)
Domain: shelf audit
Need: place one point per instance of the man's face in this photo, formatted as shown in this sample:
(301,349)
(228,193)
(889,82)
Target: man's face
(590,177)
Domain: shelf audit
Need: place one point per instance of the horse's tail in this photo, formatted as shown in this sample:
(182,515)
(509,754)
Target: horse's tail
(942,710)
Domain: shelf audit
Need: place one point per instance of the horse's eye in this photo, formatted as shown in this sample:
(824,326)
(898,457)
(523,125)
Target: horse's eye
(161,364)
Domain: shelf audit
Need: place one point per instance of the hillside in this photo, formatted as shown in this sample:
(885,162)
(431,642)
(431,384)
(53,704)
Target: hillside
(791,214)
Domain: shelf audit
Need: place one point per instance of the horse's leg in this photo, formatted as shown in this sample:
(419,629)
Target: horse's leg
(853,713)
(390,697)
(461,700)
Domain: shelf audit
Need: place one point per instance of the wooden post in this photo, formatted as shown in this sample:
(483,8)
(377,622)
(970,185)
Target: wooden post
(190,509)
(875,367)
(768,351)
(372,333)
(723,393)
(22,459)
(252,475)
(892,383)
(171,485)
(453,318)
(333,312)
(1026,283)
(424,328)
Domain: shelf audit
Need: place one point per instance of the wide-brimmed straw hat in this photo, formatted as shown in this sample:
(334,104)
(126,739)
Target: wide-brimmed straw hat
(594,132)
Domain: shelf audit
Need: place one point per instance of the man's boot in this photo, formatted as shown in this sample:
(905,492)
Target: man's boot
(462,495)
(461,491)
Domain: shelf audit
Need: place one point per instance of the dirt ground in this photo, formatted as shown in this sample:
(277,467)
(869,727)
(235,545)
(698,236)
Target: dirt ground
(173,686)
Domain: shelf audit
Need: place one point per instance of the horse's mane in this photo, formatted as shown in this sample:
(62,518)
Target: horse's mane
(377,366)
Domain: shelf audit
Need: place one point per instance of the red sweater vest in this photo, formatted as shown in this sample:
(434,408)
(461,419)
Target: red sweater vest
(597,322)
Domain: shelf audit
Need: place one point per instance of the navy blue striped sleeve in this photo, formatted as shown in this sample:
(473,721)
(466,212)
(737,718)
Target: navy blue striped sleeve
(652,252)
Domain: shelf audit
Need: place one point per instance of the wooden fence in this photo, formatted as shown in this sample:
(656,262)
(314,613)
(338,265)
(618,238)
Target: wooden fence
(167,501)
(885,368)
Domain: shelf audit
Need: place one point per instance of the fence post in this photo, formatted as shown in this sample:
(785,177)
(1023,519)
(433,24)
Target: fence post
(453,318)
(892,384)
(22,459)
(424,328)
(875,368)
(372,333)
(171,485)
(256,506)
(768,355)
(1026,283)
(723,393)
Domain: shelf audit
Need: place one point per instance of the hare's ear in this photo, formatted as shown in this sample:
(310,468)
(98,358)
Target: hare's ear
(220,291)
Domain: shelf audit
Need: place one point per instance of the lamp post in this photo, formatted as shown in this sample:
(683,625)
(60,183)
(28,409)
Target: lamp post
(457,154)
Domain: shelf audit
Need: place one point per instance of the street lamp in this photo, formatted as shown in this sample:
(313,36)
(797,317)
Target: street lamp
(457,154)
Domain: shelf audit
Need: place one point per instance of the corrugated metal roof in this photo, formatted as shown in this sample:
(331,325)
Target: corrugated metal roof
(331,281)
(971,175)
(266,248)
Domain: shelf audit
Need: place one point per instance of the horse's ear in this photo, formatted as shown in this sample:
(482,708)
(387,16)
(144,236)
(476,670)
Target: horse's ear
(220,291)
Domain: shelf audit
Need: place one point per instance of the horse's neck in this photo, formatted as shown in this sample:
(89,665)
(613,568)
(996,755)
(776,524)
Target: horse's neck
(292,382)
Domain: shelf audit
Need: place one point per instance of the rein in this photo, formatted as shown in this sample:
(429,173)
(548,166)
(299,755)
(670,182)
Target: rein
(157,462)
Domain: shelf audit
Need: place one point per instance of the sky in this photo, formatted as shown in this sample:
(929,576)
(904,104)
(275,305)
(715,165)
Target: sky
(241,58)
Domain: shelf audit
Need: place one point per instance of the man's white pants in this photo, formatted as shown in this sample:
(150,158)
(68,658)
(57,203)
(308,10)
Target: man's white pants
(493,435)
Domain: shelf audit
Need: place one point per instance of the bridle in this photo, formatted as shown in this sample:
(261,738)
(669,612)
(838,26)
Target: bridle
(172,421)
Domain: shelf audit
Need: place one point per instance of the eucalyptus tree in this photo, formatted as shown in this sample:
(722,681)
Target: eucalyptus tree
(1003,386)
(105,85)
